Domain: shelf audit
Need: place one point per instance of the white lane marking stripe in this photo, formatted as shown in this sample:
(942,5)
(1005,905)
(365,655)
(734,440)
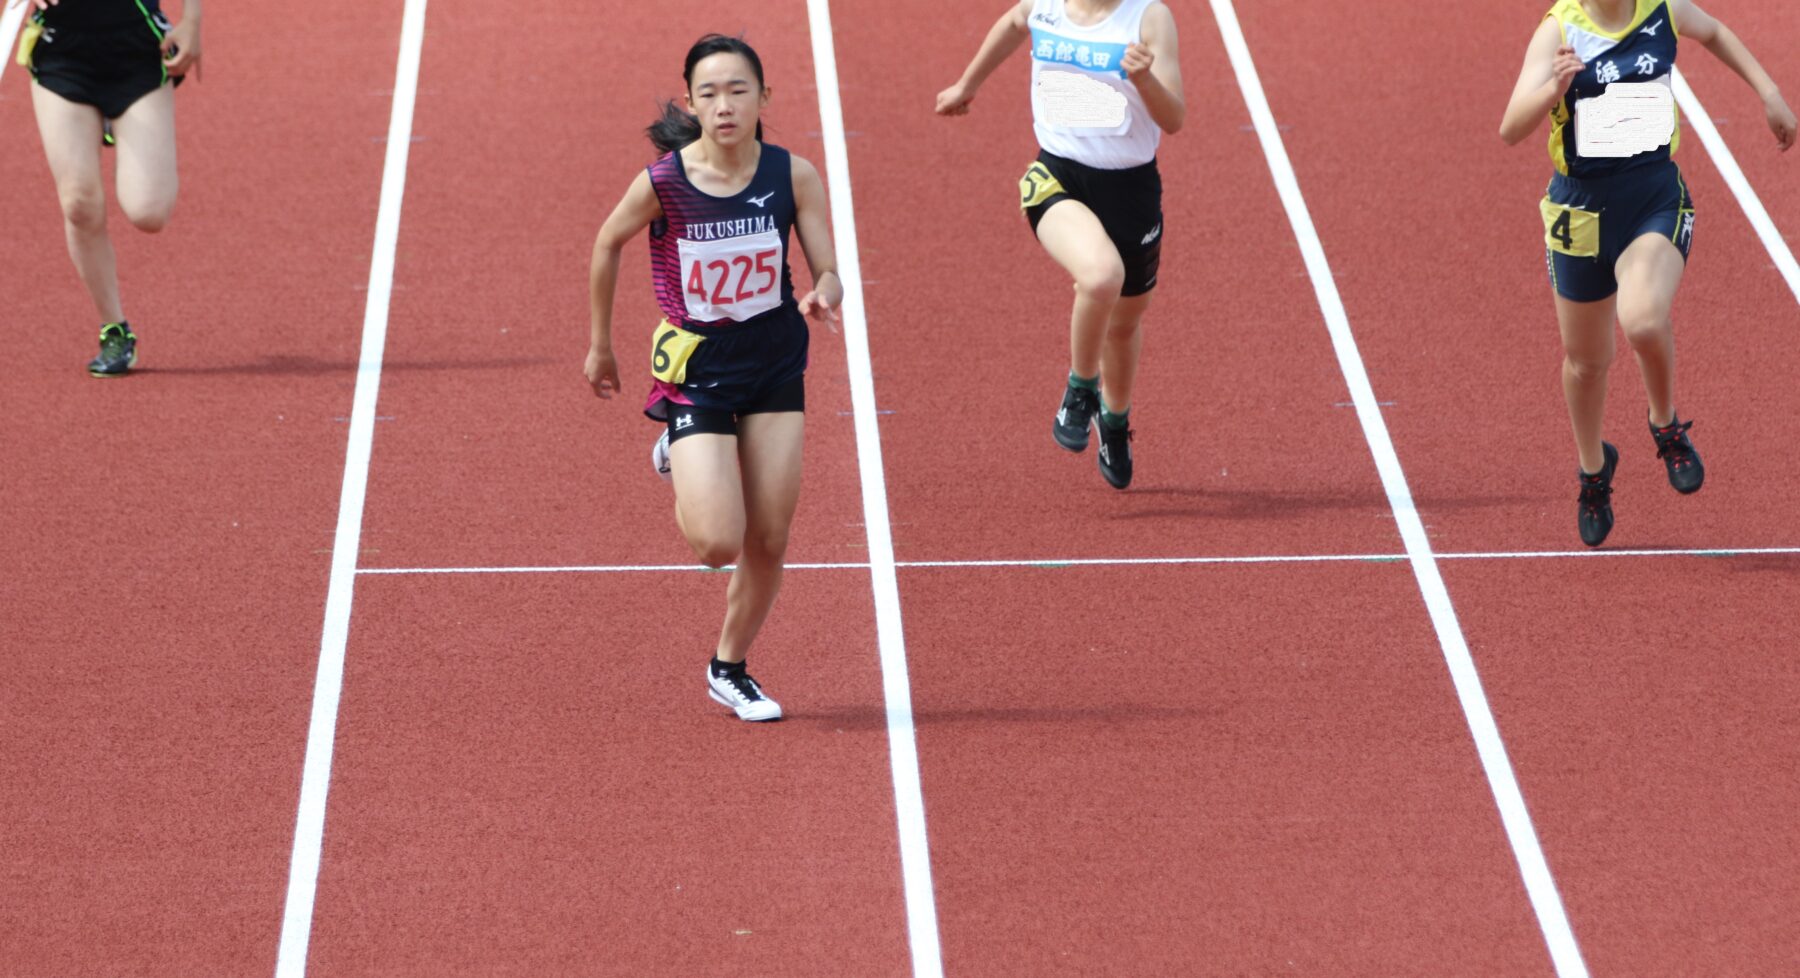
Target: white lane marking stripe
(1051,562)
(309,827)
(1539,885)
(1740,185)
(903,754)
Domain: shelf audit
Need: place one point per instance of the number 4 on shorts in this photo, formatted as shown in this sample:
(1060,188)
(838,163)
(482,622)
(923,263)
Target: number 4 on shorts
(1570,230)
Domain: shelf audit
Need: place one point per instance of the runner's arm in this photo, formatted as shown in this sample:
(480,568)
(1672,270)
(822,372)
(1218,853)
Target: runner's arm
(634,213)
(812,220)
(1550,65)
(1002,40)
(1698,25)
(1160,86)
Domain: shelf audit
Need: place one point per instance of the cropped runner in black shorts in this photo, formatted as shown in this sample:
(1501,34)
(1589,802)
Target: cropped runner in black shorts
(1106,86)
(105,72)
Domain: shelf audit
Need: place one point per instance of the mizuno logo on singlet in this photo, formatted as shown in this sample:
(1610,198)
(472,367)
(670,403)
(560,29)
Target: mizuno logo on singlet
(1152,235)
(760,201)
(1651,30)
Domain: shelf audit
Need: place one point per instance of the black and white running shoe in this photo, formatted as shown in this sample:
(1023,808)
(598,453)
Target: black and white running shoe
(735,688)
(1079,405)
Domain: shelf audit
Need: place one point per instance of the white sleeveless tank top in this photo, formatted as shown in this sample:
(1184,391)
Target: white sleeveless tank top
(1083,107)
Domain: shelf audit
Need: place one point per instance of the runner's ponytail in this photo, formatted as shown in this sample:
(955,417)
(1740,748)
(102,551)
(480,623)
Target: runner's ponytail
(677,127)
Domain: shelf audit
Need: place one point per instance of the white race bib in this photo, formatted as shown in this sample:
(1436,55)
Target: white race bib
(1630,118)
(731,278)
(1077,100)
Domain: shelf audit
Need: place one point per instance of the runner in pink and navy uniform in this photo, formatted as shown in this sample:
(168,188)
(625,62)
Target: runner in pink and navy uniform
(728,361)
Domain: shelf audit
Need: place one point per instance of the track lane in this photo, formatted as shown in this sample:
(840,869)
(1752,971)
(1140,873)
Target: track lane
(168,533)
(1612,778)
(470,701)
(1024,678)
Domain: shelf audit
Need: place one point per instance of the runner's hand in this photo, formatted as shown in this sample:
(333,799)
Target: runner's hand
(602,372)
(814,306)
(1137,60)
(33,4)
(1781,120)
(955,100)
(181,47)
(1564,69)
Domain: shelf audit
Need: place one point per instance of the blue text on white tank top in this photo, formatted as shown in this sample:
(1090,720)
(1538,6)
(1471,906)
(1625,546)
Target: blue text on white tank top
(1088,55)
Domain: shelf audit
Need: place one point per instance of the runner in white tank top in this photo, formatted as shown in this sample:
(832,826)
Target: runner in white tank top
(1105,86)
(1083,106)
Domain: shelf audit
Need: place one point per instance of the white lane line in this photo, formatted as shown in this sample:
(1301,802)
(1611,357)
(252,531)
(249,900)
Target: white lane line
(315,780)
(1539,885)
(9,30)
(1053,562)
(1740,185)
(903,753)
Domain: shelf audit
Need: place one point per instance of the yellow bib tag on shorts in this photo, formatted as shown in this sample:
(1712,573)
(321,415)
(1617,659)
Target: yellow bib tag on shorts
(1037,186)
(28,38)
(1570,230)
(670,350)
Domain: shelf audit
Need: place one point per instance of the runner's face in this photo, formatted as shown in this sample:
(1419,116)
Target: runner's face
(726,97)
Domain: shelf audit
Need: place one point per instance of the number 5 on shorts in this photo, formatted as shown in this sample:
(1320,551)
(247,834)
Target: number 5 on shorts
(670,350)
(1570,231)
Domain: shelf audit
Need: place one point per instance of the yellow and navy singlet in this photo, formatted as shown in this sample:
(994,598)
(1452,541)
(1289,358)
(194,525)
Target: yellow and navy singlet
(1643,52)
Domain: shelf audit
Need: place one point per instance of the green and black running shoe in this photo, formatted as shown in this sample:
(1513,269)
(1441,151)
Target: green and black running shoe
(118,351)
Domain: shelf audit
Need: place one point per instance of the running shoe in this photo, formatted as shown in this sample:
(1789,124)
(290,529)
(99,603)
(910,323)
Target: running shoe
(118,351)
(1115,454)
(1079,405)
(1678,455)
(737,690)
(1596,515)
(659,457)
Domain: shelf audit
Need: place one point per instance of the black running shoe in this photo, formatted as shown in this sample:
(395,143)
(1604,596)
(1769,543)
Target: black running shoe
(1678,455)
(1079,405)
(1115,454)
(118,351)
(1596,517)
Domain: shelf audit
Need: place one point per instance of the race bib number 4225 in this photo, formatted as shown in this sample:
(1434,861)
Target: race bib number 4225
(732,278)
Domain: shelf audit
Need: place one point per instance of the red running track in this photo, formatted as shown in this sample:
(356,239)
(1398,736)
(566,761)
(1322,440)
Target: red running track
(1127,770)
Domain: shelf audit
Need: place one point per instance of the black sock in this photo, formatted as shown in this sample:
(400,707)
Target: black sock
(722,668)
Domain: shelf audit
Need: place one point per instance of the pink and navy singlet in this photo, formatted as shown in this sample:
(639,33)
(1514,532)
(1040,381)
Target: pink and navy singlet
(731,331)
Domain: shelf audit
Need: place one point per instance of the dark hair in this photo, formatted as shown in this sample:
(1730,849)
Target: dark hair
(677,127)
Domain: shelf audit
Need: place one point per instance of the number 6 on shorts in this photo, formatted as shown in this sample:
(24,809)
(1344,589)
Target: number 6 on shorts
(670,350)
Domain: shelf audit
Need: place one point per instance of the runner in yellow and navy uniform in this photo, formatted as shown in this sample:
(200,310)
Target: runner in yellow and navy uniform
(728,361)
(104,73)
(1618,220)
(1105,86)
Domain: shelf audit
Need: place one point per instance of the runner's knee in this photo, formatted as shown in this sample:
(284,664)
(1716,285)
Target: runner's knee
(714,551)
(1101,278)
(83,205)
(769,543)
(1588,366)
(1643,327)
(148,215)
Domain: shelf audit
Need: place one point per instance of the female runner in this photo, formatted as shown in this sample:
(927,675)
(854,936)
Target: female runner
(729,358)
(1618,221)
(1105,86)
(105,73)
